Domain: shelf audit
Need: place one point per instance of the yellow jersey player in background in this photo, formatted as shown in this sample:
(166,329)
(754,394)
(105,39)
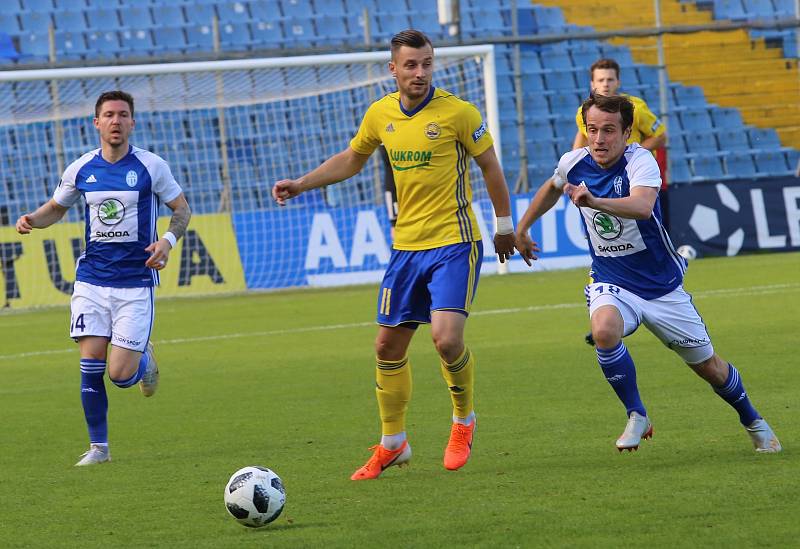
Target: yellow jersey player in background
(430,135)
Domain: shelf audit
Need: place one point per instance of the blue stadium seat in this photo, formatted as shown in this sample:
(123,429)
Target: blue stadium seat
(740,165)
(101,19)
(726,118)
(136,41)
(233,12)
(296,8)
(35,21)
(707,167)
(34,46)
(549,20)
(135,17)
(784,8)
(9,23)
(71,45)
(168,16)
(700,143)
(532,84)
(335,30)
(761,138)
(689,96)
(564,105)
(10,7)
(771,162)
(793,159)
(357,6)
(695,120)
(556,59)
(679,170)
(390,24)
(729,9)
(262,11)
(37,5)
(538,129)
(199,37)
(526,21)
(584,56)
(300,31)
(560,80)
(169,39)
(429,24)
(490,20)
(733,139)
(103,44)
(71,20)
(267,34)
(356,25)
(647,75)
(200,14)
(329,7)
(235,36)
(565,129)
(74,5)
(541,152)
(759,9)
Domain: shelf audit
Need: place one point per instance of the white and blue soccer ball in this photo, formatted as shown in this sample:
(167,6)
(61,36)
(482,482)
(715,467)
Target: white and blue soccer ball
(255,496)
(687,252)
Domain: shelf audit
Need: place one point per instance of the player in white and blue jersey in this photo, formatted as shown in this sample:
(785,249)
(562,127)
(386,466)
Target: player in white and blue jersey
(112,301)
(636,275)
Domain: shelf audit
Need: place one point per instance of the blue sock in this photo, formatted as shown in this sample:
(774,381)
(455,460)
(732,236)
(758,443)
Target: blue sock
(734,394)
(134,379)
(94,399)
(620,373)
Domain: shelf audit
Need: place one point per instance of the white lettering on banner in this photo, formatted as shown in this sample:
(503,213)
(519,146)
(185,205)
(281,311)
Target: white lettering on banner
(791,198)
(765,240)
(323,241)
(368,240)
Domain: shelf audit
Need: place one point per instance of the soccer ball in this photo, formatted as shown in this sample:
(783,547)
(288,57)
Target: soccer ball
(687,252)
(254,496)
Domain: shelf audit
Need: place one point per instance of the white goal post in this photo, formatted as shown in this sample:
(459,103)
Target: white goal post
(228,129)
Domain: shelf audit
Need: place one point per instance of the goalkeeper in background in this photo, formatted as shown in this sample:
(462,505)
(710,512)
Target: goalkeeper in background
(430,135)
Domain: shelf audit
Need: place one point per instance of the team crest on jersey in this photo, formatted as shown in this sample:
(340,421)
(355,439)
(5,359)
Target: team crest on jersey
(618,185)
(131,178)
(110,211)
(607,226)
(433,131)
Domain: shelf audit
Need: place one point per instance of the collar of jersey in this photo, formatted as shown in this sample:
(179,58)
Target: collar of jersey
(420,106)
(100,155)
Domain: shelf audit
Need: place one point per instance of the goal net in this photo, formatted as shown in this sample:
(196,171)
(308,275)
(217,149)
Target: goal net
(229,130)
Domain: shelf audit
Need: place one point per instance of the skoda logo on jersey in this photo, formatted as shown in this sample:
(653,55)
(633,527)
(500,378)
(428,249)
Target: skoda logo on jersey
(433,131)
(607,227)
(131,178)
(618,185)
(110,211)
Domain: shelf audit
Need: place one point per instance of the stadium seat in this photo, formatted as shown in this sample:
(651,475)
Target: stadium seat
(549,20)
(556,59)
(262,11)
(35,21)
(10,7)
(199,37)
(168,16)
(679,170)
(647,75)
(726,118)
(390,24)
(759,9)
(565,129)
(37,5)
(169,39)
(9,23)
(267,34)
(733,139)
(532,84)
(695,120)
(137,42)
(75,5)
(34,46)
(72,20)
(103,44)
(700,142)
(707,167)
(541,152)
(784,8)
(300,32)
(235,36)
(560,80)
(330,7)
(335,30)
(793,159)
(356,25)
(620,54)
(689,96)
(429,24)
(740,165)
(526,21)
(729,9)
(135,17)
(233,12)
(101,19)
(71,45)
(771,163)
(491,21)
(583,57)
(564,105)
(538,129)
(761,138)
(200,15)
(296,8)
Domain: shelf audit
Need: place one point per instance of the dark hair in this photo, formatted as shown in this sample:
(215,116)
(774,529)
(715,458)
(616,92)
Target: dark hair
(612,104)
(411,38)
(604,64)
(116,95)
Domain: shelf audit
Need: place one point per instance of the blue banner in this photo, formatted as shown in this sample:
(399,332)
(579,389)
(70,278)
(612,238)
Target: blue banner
(736,217)
(320,246)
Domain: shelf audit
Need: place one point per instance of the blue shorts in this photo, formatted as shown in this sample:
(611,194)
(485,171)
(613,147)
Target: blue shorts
(418,282)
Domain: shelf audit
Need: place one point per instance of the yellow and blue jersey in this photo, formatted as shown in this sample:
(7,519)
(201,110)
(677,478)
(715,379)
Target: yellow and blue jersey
(645,123)
(429,149)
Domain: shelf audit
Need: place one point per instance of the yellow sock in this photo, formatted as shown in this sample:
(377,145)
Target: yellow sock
(460,378)
(393,389)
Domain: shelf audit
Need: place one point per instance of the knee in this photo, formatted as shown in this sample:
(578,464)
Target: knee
(386,349)
(606,337)
(448,346)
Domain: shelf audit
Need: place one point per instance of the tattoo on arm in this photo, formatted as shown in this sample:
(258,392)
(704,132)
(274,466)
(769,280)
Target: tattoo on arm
(180,220)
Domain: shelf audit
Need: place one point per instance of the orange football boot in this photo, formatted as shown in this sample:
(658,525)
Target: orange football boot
(459,446)
(381,460)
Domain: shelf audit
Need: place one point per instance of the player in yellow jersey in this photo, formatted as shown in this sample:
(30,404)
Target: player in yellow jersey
(647,130)
(430,135)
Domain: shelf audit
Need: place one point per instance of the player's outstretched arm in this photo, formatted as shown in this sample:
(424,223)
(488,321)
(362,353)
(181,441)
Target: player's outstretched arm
(159,250)
(544,199)
(639,205)
(44,216)
(337,168)
(501,201)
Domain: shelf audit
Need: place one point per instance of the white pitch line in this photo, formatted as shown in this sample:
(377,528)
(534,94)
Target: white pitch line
(752,290)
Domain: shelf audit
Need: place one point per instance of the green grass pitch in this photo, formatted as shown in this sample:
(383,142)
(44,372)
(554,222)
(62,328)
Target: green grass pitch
(286,379)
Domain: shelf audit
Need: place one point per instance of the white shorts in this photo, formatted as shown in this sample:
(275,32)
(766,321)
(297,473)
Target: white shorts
(671,318)
(123,315)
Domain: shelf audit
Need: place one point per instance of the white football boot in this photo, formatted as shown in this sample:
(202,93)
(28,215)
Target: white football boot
(149,382)
(638,428)
(763,437)
(97,453)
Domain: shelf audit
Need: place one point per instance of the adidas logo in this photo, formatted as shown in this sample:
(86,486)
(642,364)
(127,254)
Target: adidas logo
(91,179)
(390,128)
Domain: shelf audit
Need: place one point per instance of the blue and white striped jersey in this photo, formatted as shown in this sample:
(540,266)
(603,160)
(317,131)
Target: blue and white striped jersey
(122,201)
(634,254)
